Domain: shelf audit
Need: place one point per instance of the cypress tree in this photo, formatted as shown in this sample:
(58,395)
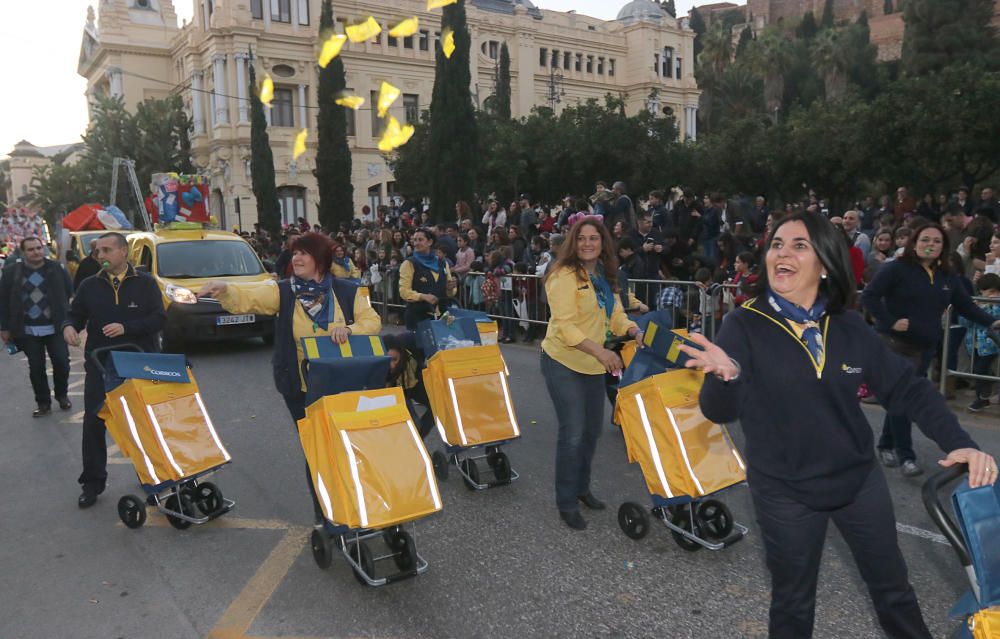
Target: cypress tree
(887,7)
(503,84)
(746,37)
(454,137)
(826,22)
(670,8)
(807,28)
(944,33)
(262,164)
(333,156)
(697,25)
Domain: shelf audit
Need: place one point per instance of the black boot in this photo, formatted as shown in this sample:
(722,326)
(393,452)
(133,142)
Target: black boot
(573,519)
(592,502)
(42,410)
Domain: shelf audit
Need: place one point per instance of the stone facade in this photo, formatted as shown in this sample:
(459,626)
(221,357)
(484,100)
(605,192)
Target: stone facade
(21,163)
(135,49)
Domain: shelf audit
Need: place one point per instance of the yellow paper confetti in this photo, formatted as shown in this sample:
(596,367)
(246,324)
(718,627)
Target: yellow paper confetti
(437,4)
(267,90)
(405,28)
(364,31)
(395,136)
(331,49)
(351,101)
(300,144)
(448,44)
(386,96)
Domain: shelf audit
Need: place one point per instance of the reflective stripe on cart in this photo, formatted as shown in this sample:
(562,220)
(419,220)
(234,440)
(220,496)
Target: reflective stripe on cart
(325,496)
(362,509)
(211,427)
(427,464)
(440,427)
(652,445)
(680,444)
(510,408)
(163,442)
(138,442)
(458,414)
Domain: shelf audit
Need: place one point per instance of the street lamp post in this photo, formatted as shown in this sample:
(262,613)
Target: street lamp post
(556,90)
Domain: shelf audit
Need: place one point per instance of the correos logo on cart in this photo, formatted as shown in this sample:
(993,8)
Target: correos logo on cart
(149,369)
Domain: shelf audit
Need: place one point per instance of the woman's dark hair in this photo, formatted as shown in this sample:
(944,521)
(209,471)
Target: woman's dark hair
(910,250)
(729,242)
(317,246)
(568,258)
(828,243)
(429,234)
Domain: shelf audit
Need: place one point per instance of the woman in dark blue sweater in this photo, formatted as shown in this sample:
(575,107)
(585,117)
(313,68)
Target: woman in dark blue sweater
(907,298)
(787,365)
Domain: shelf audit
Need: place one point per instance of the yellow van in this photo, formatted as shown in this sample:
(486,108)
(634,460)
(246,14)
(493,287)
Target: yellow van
(181,262)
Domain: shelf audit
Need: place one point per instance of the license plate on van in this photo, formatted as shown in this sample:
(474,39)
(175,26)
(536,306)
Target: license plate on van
(227,320)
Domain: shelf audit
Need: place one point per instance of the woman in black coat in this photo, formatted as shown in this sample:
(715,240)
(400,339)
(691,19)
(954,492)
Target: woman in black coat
(787,365)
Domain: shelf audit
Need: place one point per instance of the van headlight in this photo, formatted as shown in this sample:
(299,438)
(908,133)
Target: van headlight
(180,295)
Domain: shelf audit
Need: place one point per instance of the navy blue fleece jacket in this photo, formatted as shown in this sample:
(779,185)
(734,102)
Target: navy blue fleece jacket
(806,435)
(905,290)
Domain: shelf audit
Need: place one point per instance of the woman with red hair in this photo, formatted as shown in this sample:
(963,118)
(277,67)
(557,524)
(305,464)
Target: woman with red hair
(311,303)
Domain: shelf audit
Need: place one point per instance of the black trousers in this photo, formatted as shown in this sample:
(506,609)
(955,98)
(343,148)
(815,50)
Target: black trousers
(35,348)
(95,447)
(297,409)
(794,535)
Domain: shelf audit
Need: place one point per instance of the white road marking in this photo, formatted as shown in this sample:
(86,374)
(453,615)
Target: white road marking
(923,534)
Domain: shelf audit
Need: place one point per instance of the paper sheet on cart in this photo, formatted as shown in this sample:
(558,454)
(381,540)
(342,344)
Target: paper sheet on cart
(366,403)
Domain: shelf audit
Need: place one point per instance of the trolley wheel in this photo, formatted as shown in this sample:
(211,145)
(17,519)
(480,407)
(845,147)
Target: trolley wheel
(500,465)
(360,553)
(322,549)
(440,461)
(406,553)
(682,519)
(393,538)
(715,519)
(633,520)
(207,498)
(182,505)
(132,511)
(470,469)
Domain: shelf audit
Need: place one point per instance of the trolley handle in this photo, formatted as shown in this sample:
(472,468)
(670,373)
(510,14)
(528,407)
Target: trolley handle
(615,341)
(95,354)
(932,501)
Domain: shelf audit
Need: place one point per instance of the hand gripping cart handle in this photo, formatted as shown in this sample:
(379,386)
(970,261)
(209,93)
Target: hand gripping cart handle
(154,411)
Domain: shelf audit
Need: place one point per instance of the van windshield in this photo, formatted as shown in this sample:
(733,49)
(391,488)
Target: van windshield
(207,258)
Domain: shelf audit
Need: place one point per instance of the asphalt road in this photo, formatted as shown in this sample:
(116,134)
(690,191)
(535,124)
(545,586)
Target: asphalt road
(501,562)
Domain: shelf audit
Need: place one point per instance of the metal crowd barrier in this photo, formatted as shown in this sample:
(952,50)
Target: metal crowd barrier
(951,329)
(522,301)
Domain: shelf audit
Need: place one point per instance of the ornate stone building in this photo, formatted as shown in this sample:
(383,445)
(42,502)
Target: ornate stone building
(135,49)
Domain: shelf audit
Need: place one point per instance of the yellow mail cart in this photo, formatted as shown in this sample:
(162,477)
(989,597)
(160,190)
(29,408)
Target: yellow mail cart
(155,413)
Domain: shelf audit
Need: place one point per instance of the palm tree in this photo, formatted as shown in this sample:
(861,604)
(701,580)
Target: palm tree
(831,57)
(770,58)
(716,54)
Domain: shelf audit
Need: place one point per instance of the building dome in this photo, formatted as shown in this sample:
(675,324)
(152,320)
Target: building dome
(639,10)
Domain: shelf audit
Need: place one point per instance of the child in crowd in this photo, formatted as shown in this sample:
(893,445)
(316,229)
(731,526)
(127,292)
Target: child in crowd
(983,350)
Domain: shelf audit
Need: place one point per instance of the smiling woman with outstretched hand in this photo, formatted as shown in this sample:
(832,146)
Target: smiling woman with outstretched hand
(787,365)
(585,312)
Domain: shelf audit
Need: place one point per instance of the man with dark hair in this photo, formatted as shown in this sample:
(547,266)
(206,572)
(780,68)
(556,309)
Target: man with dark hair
(88,266)
(988,205)
(658,211)
(758,215)
(118,306)
(529,218)
(686,215)
(34,297)
(623,210)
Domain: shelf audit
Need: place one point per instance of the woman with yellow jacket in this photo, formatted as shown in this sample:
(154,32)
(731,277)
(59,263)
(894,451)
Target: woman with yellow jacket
(312,303)
(425,282)
(342,265)
(585,312)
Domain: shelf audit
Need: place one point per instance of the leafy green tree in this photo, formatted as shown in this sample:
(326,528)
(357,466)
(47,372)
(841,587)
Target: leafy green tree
(746,37)
(503,84)
(697,24)
(409,162)
(333,156)
(945,33)
(831,58)
(262,163)
(59,187)
(770,57)
(453,135)
(110,134)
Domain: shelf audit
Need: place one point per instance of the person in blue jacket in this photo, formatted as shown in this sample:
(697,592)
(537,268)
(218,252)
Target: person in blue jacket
(907,298)
(787,365)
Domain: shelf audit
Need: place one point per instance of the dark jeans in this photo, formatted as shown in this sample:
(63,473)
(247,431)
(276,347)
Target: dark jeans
(897,428)
(794,535)
(35,348)
(984,365)
(95,446)
(578,400)
(297,408)
(955,339)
